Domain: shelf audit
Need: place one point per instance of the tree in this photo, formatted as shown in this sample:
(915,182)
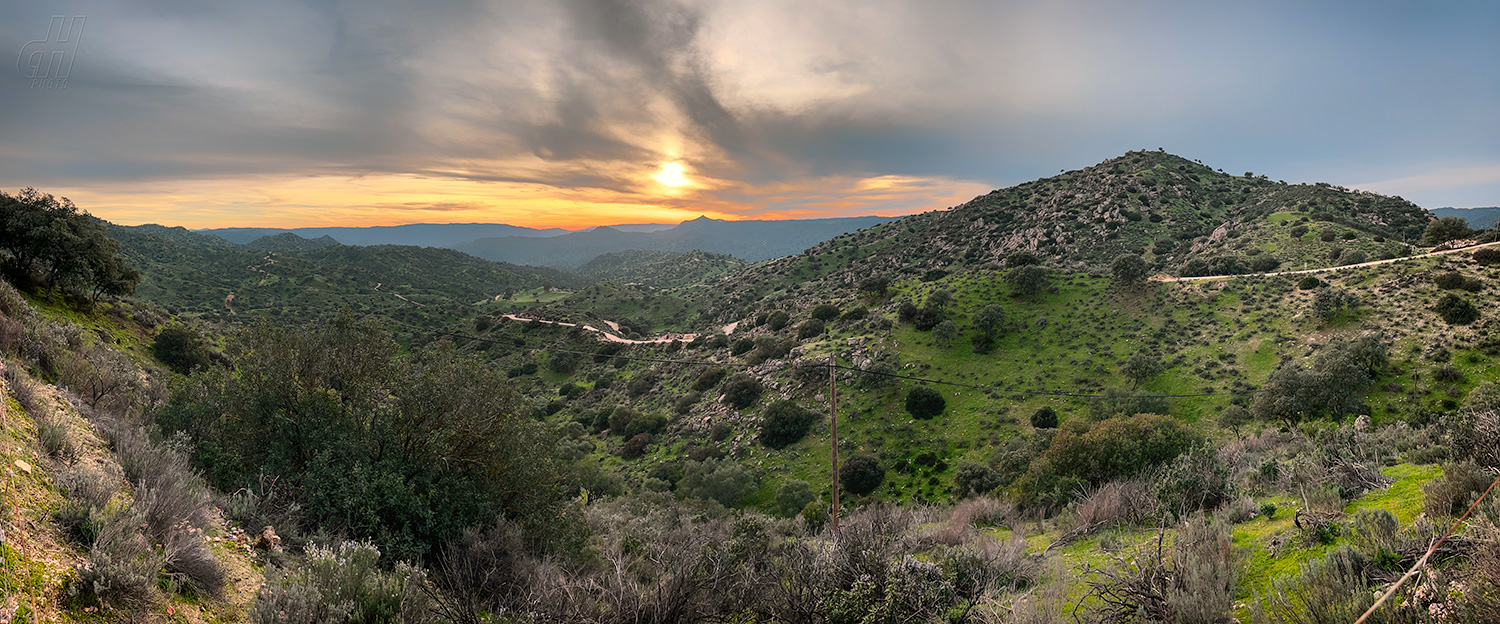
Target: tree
(793,496)
(1445,229)
(1234,417)
(742,391)
(712,479)
(1021,258)
(1332,385)
(49,241)
(180,349)
(825,312)
(1044,418)
(874,287)
(1328,302)
(989,324)
(784,424)
(1027,280)
(810,328)
(924,403)
(1129,270)
(944,333)
(777,319)
(1456,310)
(1142,367)
(861,474)
(972,479)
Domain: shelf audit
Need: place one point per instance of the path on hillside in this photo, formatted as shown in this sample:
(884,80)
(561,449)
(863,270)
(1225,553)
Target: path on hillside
(1204,278)
(664,338)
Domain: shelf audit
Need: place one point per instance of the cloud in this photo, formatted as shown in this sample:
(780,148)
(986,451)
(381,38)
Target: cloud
(775,107)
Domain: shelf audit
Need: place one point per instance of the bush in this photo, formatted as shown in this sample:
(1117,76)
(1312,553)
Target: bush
(1452,493)
(1114,448)
(180,349)
(861,474)
(784,424)
(793,496)
(1027,280)
(924,403)
(649,424)
(1309,282)
(1453,280)
(777,319)
(1044,418)
(742,391)
(1488,256)
(635,447)
(120,569)
(1022,258)
(943,333)
(741,346)
(685,403)
(1456,310)
(810,328)
(342,583)
(1194,481)
(824,312)
(1129,269)
(724,481)
(709,378)
(1264,264)
(641,383)
(972,479)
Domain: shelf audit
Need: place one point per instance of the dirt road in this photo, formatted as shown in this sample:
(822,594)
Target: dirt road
(1165,278)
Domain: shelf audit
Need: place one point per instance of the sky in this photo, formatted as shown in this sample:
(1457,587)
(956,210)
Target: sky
(574,113)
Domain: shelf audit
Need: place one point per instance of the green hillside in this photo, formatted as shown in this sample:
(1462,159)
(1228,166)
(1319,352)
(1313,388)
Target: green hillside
(660,269)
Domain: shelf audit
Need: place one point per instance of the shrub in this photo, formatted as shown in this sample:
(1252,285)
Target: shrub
(1456,310)
(1114,448)
(856,313)
(635,447)
(741,346)
(342,583)
(709,378)
(180,349)
(685,403)
(943,333)
(1309,282)
(1452,493)
(972,479)
(641,383)
(648,424)
(1022,258)
(1264,264)
(1487,256)
(824,312)
(874,287)
(1194,481)
(777,319)
(861,474)
(1044,418)
(924,403)
(120,569)
(814,514)
(620,418)
(1027,280)
(1453,280)
(784,424)
(1129,269)
(810,328)
(906,312)
(793,496)
(742,391)
(724,481)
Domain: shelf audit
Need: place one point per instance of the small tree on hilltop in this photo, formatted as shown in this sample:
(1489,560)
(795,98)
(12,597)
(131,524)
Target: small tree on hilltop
(924,403)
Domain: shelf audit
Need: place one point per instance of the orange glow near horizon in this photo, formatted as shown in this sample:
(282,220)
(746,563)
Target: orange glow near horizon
(397,199)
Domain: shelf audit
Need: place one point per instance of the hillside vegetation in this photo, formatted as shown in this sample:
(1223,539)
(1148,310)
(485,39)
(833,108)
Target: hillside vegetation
(660,269)
(1030,430)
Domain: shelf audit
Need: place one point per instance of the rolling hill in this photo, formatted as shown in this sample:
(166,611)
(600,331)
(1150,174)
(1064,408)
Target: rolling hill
(660,269)
(747,240)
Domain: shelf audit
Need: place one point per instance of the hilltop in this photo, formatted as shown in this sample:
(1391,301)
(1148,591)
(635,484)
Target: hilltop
(660,269)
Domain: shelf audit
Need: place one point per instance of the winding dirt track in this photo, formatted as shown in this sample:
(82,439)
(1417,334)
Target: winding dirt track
(608,336)
(1205,278)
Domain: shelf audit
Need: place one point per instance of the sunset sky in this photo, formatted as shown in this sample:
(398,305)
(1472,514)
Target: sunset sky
(569,114)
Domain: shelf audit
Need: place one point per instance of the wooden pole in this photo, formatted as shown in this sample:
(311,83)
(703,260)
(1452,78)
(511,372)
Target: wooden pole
(833,420)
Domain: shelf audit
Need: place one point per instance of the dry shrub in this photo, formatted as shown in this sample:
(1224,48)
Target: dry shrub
(1460,485)
(985,511)
(1117,503)
(1192,582)
(120,569)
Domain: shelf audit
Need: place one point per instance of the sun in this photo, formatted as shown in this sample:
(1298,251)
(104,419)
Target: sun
(671,175)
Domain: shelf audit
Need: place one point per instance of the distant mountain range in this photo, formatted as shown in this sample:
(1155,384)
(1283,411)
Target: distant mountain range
(1478,218)
(418,234)
(750,241)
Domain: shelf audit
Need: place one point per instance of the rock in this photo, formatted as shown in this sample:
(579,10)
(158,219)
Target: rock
(269,540)
(25,467)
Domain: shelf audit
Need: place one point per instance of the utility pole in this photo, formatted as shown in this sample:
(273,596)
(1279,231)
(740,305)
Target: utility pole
(833,420)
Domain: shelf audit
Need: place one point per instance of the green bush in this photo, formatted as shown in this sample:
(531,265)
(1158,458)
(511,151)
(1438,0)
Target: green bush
(340,583)
(724,481)
(1027,280)
(924,403)
(784,424)
(1309,282)
(1114,448)
(709,378)
(1456,310)
(777,319)
(1044,418)
(649,424)
(742,391)
(861,474)
(1488,256)
(824,312)
(972,479)
(180,349)
(810,328)
(635,447)
(793,496)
